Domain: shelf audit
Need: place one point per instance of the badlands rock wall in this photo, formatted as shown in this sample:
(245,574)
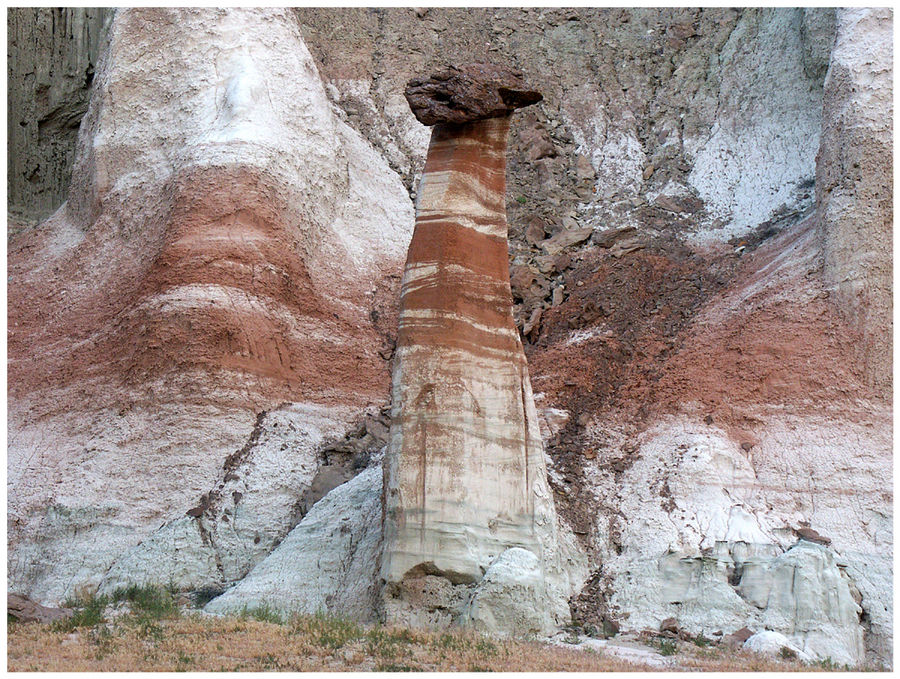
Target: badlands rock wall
(667,269)
(698,265)
(208,308)
(52,55)
(854,184)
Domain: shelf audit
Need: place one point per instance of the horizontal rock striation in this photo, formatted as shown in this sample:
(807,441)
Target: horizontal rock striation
(465,477)
(229,248)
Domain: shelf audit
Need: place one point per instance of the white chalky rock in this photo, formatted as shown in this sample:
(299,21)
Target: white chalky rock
(513,600)
(772,643)
(327,563)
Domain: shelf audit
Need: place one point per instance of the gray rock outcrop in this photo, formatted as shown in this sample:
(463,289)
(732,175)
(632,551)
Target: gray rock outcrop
(52,56)
(328,563)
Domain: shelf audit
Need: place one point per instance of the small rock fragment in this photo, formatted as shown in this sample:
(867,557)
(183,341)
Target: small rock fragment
(558,296)
(810,535)
(736,639)
(669,625)
(583,168)
(625,247)
(606,239)
(535,231)
(533,322)
(566,239)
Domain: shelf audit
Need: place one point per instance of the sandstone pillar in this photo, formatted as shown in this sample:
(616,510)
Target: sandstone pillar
(465,478)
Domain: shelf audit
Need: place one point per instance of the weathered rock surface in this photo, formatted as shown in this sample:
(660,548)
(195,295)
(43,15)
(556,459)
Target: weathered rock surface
(714,307)
(328,563)
(512,598)
(465,477)
(52,55)
(468,93)
(854,183)
(773,644)
(709,501)
(261,493)
(228,246)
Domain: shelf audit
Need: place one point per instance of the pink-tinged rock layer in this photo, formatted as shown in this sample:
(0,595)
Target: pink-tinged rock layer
(217,279)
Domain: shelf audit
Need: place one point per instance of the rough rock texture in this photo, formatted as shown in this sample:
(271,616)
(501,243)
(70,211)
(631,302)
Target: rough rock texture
(465,477)
(512,598)
(468,93)
(24,609)
(228,246)
(261,493)
(326,563)
(754,429)
(674,259)
(774,644)
(854,183)
(52,54)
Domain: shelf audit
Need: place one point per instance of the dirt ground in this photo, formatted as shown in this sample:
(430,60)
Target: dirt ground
(194,643)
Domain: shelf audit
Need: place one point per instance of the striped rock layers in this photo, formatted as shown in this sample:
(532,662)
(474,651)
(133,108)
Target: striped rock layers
(465,478)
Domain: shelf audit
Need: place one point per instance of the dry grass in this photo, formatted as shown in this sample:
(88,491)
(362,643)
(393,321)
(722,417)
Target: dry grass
(197,643)
(259,641)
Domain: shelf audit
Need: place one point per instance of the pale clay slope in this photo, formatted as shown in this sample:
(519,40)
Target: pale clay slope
(325,564)
(255,511)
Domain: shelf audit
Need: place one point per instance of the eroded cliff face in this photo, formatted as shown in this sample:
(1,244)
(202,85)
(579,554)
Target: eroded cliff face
(224,272)
(699,268)
(52,54)
(854,184)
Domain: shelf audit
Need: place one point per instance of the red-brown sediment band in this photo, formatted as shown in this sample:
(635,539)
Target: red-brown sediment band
(218,286)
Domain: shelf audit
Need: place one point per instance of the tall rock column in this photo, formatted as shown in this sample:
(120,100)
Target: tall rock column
(854,184)
(465,478)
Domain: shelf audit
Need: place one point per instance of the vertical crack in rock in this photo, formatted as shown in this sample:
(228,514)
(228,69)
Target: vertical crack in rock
(465,478)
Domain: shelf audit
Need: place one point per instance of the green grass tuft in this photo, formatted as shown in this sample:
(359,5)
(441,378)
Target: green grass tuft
(263,613)
(89,612)
(667,647)
(702,641)
(151,602)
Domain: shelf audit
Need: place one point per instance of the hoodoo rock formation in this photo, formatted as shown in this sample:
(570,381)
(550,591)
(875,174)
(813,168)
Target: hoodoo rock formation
(465,478)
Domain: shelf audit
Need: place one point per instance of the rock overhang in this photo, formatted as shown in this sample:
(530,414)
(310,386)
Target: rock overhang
(467,93)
